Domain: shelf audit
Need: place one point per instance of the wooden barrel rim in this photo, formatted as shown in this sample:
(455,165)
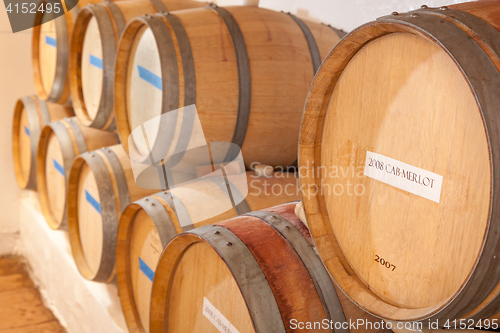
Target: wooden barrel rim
(169,75)
(341,33)
(104,117)
(313,264)
(313,46)
(258,295)
(166,231)
(63,137)
(62,59)
(108,208)
(468,57)
(29,105)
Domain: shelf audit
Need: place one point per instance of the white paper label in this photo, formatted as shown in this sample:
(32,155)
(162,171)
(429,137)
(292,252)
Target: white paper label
(216,318)
(403,176)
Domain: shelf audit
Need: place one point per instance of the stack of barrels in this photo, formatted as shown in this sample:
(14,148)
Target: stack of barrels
(105,69)
(397,158)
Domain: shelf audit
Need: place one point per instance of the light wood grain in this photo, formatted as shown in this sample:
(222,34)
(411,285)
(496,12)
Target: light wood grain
(144,245)
(90,230)
(24,147)
(144,101)
(52,184)
(365,225)
(47,54)
(217,285)
(27,124)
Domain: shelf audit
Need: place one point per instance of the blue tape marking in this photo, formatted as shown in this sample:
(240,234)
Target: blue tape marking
(97,62)
(150,77)
(146,270)
(27,131)
(93,202)
(50,41)
(58,167)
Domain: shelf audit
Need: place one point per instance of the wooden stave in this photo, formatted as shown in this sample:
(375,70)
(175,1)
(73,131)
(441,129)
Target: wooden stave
(169,103)
(111,22)
(161,211)
(269,316)
(39,113)
(60,92)
(124,189)
(463,304)
(74,140)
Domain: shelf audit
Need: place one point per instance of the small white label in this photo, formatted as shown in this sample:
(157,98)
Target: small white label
(216,318)
(403,176)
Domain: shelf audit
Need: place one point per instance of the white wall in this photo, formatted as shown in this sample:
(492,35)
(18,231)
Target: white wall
(342,14)
(15,81)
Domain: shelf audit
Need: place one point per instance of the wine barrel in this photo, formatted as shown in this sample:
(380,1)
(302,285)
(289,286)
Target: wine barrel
(245,68)
(149,224)
(93,49)
(49,52)
(60,143)
(253,273)
(404,113)
(30,115)
(102,185)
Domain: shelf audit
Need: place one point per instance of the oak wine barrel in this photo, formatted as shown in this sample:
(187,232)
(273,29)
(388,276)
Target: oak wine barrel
(93,49)
(50,51)
(60,143)
(31,114)
(149,224)
(246,69)
(254,273)
(404,113)
(102,185)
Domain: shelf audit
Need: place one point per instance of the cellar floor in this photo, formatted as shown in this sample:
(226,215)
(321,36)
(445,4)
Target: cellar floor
(82,306)
(21,307)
